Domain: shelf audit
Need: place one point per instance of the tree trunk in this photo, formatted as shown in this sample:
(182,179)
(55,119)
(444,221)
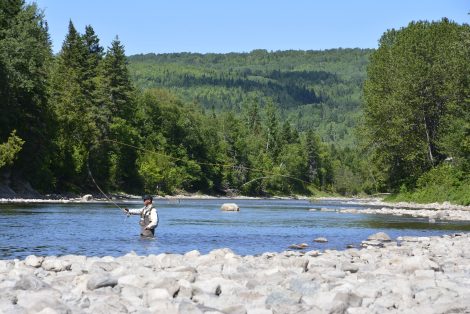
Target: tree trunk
(431,158)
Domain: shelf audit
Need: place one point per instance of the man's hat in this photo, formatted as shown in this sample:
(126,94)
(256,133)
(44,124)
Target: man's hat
(147,197)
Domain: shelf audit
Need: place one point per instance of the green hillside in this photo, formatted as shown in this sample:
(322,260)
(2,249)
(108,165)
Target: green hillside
(319,89)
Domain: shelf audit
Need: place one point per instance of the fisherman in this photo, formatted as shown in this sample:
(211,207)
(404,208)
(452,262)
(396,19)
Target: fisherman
(148,217)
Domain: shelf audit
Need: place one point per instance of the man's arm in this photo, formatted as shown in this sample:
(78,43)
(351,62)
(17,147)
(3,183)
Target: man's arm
(134,211)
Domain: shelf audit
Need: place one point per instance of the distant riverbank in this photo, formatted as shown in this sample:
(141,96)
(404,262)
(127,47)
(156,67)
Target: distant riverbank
(117,198)
(371,201)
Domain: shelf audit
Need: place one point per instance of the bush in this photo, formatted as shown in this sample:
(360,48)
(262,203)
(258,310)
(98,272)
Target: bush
(444,183)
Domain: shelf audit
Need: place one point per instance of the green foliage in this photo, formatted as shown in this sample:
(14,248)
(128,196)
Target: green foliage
(444,183)
(9,150)
(313,89)
(93,101)
(416,96)
(241,123)
(25,56)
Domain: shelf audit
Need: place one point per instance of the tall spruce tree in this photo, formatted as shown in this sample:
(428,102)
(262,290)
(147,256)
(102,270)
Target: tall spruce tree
(72,91)
(119,102)
(118,83)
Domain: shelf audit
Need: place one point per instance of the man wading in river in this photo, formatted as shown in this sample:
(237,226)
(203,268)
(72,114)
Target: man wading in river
(148,217)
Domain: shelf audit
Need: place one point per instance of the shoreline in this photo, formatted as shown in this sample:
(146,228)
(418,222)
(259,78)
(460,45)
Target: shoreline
(371,201)
(80,200)
(412,274)
(432,211)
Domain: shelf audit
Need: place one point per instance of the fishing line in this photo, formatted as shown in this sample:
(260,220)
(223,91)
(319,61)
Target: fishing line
(272,174)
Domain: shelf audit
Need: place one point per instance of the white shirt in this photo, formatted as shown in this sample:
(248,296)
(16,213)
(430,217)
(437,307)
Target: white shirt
(147,211)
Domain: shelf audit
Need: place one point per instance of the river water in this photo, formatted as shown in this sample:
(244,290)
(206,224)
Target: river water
(261,226)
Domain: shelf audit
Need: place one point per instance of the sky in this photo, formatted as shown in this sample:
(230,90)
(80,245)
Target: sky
(220,26)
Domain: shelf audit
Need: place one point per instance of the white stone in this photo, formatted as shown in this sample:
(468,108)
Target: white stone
(87,197)
(380,236)
(99,281)
(55,264)
(232,207)
(34,261)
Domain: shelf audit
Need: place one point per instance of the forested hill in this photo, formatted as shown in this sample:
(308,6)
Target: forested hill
(319,89)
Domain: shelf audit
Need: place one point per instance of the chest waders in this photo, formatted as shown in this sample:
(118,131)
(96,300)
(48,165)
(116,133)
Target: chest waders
(144,221)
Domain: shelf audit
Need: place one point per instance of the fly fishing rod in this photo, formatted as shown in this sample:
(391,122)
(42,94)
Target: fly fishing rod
(98,187)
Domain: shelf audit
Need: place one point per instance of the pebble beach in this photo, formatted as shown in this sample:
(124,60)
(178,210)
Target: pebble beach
(403,275)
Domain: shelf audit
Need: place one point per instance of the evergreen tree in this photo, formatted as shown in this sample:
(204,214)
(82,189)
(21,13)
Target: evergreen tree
(72,92)
(117,81)
(118,103)
(272,130)
(25,55)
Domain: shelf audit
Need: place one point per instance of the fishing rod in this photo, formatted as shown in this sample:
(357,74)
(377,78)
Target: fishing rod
(98,187)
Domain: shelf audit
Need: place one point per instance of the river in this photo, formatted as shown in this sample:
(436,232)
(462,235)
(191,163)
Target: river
(100,229)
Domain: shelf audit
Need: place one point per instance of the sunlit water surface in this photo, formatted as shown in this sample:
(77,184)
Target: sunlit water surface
(185,225)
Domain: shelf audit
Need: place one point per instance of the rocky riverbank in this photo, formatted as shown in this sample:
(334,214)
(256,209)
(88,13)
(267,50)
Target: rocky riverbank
(432,215)
(416,275)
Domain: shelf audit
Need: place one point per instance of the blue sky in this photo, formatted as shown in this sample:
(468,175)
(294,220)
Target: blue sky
(158,26)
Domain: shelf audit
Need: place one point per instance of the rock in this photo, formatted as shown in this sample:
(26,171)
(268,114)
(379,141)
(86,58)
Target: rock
(55,264)
(45,299)
(299,246)
(259,310)
(132,280)
(6,266)
(284,297)
(168,284)
(376,243)
(324,209)
(381,236)
(303,287)
(192,254)
(321,240)
(423,274)
(156,294)
(107,303)
(313,253)
(87,197)
(352,268)
(34,261)
(231,207)
(100,281)
(29,283)
(235,309)
(189,308)
(411,264)
(163,306)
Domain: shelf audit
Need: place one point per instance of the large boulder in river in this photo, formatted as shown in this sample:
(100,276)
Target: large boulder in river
(230,207)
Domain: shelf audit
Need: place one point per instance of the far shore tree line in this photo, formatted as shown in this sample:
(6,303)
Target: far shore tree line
(66,116)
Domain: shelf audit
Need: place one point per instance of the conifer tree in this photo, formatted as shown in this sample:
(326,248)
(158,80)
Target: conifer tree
(25,56)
